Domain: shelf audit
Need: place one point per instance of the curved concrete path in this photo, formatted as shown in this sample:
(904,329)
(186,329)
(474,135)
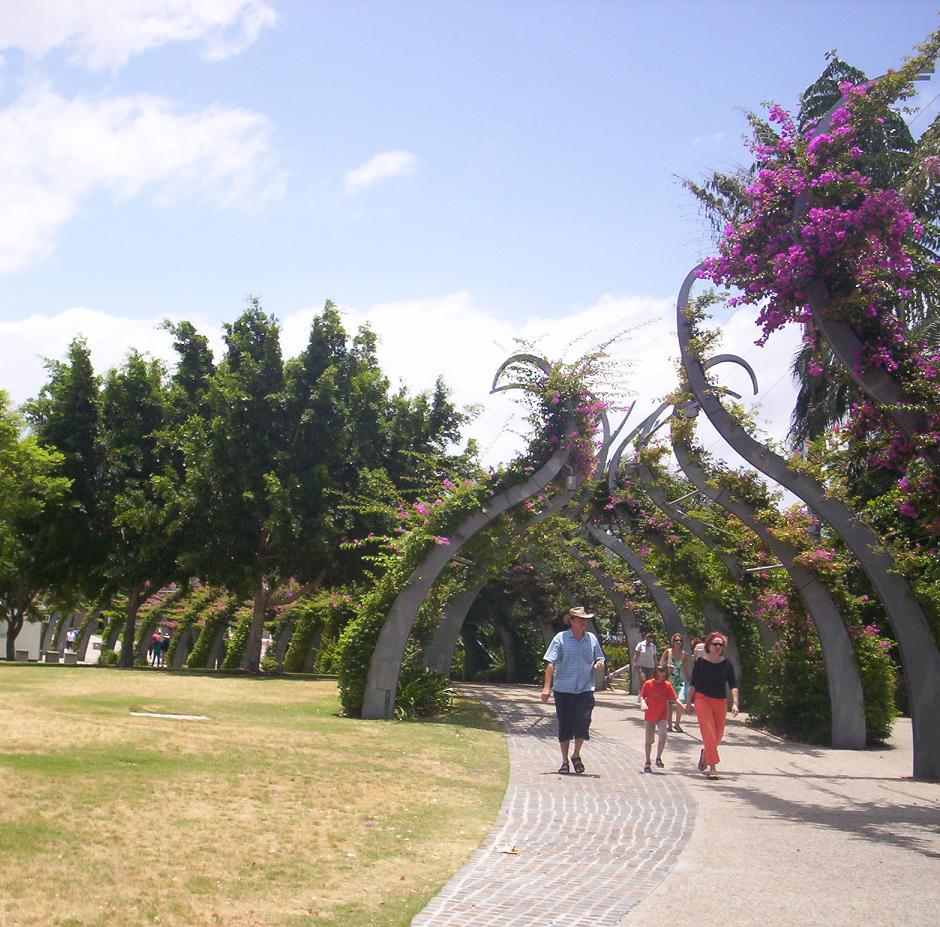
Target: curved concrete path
(790,835)
(618,830)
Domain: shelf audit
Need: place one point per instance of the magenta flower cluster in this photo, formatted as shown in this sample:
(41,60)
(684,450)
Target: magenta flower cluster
(851,236)
(815,218)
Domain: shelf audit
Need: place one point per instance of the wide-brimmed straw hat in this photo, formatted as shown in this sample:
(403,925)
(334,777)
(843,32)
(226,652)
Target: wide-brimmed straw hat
(579,612)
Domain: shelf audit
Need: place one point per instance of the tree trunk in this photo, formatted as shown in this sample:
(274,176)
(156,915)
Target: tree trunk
(15,618)
(134,600)
(251,658)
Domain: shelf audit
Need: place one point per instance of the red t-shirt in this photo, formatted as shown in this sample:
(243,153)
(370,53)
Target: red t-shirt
(656,693)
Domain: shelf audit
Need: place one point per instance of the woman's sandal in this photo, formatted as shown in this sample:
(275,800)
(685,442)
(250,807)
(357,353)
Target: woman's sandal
(701,762)
(678,729)
(578,765)
(711,775)
(564,769)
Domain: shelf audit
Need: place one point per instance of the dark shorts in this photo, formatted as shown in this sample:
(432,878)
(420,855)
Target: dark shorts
(574,714)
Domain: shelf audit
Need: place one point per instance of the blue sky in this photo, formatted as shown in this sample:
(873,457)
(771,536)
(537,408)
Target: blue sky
(456,173)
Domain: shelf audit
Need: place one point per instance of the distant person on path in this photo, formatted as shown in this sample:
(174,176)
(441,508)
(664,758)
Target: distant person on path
(712,676)
(698,649)
(155,648)
(164,647)
(676,661)
(70,637)
(644,657)
(656,696)
(571,658)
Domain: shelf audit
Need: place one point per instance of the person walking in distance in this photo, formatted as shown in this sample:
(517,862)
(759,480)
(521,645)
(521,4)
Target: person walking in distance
(644,657)
(676,661)
(570,661)
(712,676)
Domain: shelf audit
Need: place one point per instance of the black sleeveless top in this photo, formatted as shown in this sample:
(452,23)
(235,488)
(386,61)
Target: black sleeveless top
(711,678)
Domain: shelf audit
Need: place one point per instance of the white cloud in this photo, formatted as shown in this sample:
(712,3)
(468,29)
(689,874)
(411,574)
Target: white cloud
(380,167)
(103,34)
(55,152)
(25,343)
(453,336)
(715,138)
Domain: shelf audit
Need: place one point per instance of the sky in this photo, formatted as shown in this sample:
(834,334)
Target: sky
(459,175)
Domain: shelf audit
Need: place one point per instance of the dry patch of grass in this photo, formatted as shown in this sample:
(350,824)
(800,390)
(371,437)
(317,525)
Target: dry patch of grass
(275,811)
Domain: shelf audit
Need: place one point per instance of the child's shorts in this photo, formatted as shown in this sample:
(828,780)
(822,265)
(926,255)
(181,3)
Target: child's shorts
(652,727)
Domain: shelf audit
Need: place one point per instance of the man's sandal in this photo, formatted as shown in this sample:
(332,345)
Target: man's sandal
(578,765)
(564,769)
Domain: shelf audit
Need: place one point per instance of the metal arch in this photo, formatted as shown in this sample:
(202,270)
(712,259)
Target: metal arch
(543,364)
(642,428)
(533,359)
(920,657)
(845,689)
(733,359)
(651,423)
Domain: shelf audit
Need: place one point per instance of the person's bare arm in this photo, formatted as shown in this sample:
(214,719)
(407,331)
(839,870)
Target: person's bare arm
(547,686)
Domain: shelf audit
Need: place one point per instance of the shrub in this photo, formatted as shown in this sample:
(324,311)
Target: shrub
(421,692)
(617,656)
(792,697)
(108,658)
(235,649)
(270,664)
(879,679)
(219,613)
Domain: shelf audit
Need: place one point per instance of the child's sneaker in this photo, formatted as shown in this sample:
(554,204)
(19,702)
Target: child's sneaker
(660,764)
(647,768)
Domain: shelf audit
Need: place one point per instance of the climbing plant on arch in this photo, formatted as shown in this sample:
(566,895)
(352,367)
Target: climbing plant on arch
(822,240)
(373,646)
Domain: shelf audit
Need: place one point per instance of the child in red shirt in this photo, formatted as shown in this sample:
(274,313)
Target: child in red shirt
(654,698)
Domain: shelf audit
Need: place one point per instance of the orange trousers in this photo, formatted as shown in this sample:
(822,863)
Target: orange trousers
(711,723)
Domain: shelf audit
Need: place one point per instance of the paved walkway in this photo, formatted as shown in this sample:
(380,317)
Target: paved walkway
(790,835)
(621,831)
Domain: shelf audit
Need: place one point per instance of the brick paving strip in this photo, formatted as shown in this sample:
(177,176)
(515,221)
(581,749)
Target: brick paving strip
(587,848)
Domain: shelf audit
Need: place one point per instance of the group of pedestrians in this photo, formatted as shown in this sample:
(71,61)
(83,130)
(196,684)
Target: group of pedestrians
(673,683)
(159,645)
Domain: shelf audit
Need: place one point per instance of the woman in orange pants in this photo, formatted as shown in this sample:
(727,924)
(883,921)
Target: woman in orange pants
(712,676)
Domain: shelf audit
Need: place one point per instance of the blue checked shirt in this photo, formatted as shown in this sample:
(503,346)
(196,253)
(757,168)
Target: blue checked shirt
(574,661)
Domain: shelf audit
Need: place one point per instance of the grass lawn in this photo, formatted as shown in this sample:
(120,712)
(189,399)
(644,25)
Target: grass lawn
(275,811)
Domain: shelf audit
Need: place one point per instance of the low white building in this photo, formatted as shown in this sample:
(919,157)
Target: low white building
(28,639)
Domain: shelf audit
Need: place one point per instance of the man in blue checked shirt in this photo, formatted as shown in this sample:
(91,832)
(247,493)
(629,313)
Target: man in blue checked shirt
(572,657)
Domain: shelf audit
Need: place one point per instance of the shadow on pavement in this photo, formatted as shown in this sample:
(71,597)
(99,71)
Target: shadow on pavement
(869,821)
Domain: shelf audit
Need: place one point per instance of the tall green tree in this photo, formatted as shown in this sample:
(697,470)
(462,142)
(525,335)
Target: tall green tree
(30,505)
(244,515)
(136,497)
(65,416)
